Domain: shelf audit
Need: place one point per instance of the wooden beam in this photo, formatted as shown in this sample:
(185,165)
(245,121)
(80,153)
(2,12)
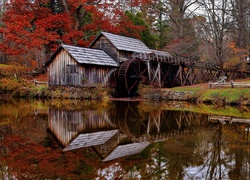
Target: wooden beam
(149,74)
(156,72)
(166,75)
(197,76)
(177,75)
(159,74)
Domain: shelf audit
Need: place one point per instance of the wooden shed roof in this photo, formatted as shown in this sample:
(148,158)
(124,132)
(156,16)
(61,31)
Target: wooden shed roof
(90,139)
(124,43)
(86,56)
(126,150)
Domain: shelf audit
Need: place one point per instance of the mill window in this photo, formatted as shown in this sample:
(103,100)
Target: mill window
(71,68)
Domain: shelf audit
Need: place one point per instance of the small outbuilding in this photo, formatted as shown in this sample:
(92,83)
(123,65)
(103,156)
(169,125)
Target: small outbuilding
(77,66)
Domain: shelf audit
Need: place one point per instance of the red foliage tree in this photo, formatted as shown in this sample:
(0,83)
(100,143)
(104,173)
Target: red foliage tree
(29,26)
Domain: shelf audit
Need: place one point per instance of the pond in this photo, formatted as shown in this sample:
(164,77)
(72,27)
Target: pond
(70,139)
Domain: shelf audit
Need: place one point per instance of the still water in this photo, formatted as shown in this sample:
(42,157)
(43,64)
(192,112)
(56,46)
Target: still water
(122,140)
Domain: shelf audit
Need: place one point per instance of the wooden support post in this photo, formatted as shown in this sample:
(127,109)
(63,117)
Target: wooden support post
(156,73)
(166,75)
(176,76)
(197,76)
(159,74)
(187,76)
(149,74)
(148,127)
(210,84)
(159,121)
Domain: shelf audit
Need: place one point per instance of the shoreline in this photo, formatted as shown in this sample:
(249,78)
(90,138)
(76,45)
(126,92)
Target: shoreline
(194,94)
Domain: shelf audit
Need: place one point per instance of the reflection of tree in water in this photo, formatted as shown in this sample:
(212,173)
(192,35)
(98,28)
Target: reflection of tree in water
(224,160)
(216,160)
(159,165)
(241,154)
(218,156)
(206,154)
(4,131)
(180,154)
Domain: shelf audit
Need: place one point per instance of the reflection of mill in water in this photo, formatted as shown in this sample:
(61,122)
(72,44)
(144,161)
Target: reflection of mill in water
(122,131)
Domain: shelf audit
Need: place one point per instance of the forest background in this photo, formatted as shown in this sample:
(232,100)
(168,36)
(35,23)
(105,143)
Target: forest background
(201,30)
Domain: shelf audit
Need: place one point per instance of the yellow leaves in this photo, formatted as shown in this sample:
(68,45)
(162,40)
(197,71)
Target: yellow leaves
(237,53)
(12,71)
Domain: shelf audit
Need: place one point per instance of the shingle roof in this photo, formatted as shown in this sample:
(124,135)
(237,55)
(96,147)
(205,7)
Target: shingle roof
(125,43)
(90,139)
(87,55)
(126,150)
(90,56)
(161,53)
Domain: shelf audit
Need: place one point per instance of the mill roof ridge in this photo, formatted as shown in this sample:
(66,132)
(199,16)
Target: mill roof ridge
(124,43)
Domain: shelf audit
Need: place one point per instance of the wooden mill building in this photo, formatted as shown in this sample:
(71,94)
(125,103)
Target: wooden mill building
(86,67)
(77,66)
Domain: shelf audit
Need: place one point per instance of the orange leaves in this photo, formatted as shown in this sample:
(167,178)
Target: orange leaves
(237,52)
(29,26)
(18,27)
(53,27)
(237,57)
(25,158)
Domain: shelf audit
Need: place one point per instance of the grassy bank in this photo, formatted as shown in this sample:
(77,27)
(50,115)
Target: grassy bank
(226,96)
(221,96)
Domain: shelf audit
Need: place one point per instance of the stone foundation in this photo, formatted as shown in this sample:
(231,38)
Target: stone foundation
(166,94)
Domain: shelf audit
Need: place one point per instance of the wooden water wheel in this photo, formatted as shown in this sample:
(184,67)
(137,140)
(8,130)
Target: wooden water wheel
(130,73)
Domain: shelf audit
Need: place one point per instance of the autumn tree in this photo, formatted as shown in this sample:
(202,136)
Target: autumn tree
(144,31)
(172,26)
(241,17)
(215,31)
(184,42)
(162,25)
(33,28)
(28,27)
(155,15)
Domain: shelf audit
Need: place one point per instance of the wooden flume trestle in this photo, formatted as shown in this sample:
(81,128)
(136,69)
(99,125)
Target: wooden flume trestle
(161,70)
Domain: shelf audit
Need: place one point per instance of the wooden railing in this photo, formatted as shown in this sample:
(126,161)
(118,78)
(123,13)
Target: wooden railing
(39,82)
(229,119)
(230,84)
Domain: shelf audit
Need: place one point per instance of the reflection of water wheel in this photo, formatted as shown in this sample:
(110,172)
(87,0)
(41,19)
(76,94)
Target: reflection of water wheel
(129,120)
(130,74)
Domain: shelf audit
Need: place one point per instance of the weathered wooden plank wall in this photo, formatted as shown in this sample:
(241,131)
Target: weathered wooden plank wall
(104,44)
(66,125)
(64,70)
